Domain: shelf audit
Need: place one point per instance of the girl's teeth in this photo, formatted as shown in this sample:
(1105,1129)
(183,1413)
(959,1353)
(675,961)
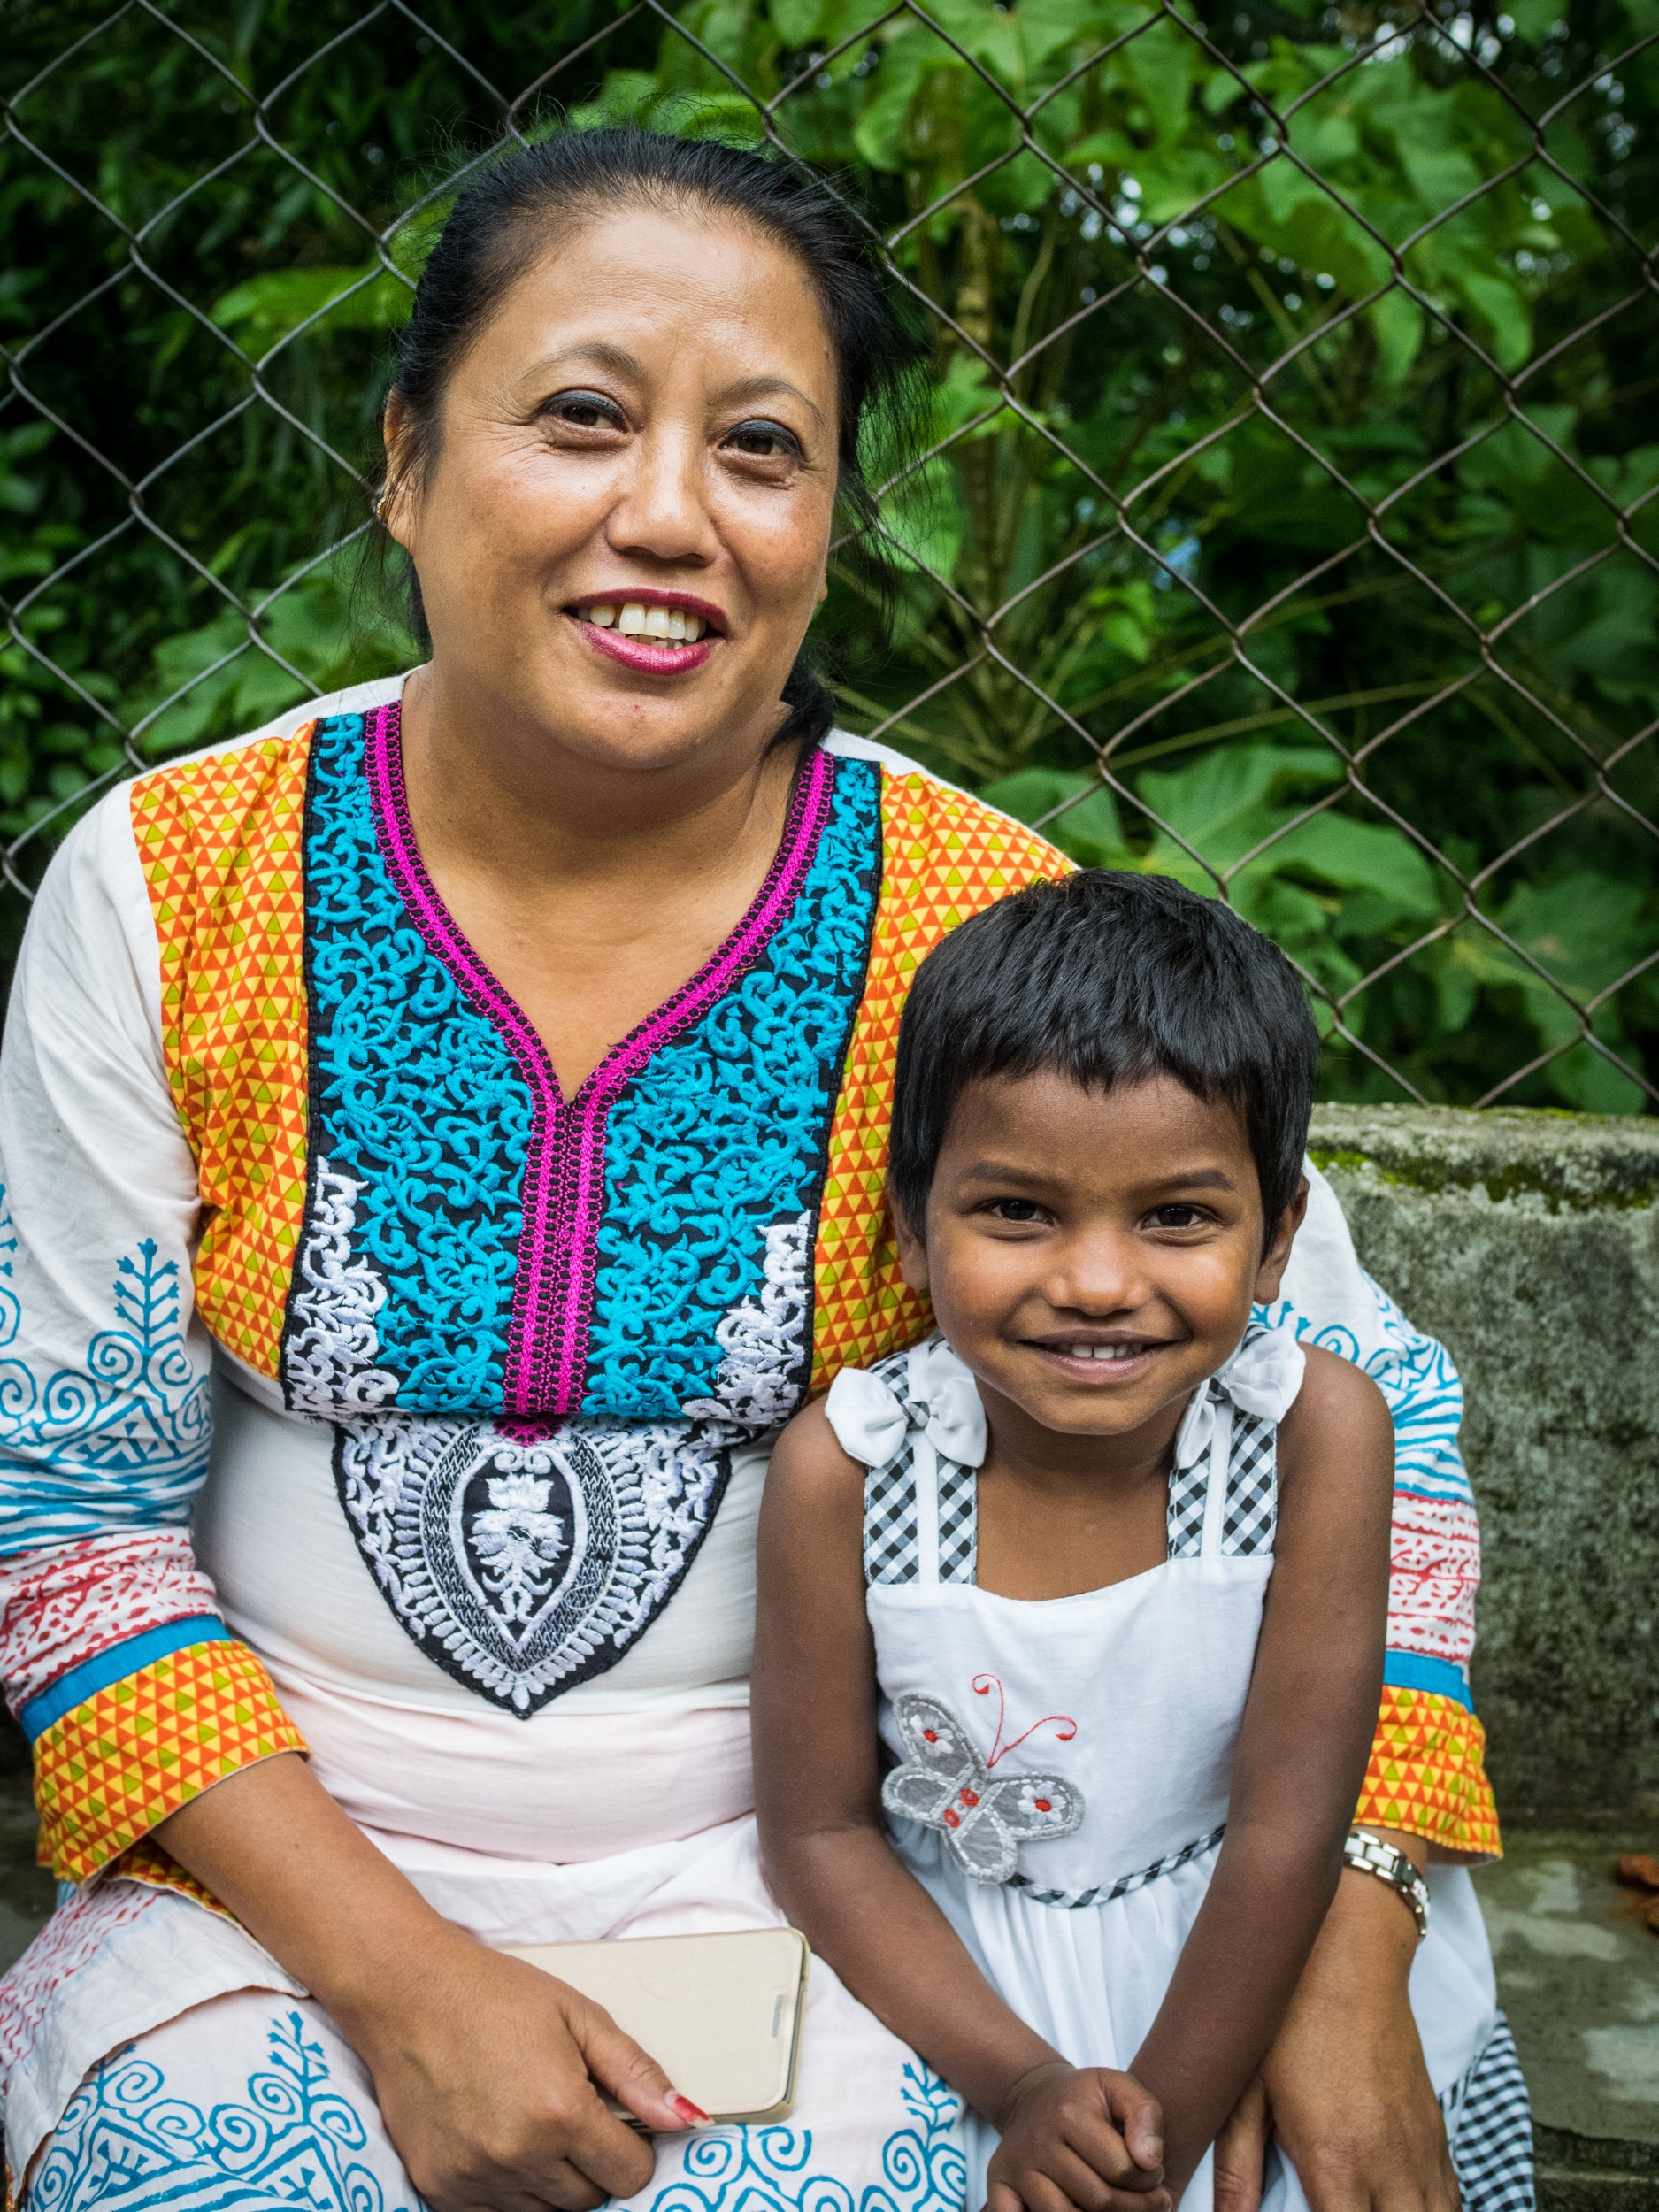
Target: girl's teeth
(656,622)
(631,621)
(604,616)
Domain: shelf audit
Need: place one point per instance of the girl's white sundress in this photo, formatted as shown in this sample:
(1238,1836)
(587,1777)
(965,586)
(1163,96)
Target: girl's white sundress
(1064,1765)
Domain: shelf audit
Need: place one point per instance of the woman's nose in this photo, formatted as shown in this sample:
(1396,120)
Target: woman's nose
(663,511)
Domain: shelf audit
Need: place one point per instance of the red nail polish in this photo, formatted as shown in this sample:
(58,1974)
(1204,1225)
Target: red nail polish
(688,2112)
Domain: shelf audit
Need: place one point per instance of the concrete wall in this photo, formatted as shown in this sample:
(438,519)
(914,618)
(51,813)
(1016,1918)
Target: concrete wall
(1529,1243)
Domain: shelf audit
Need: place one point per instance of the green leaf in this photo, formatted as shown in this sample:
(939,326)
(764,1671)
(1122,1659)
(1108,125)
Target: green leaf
(268,307)
(1089,829)
(1399,324)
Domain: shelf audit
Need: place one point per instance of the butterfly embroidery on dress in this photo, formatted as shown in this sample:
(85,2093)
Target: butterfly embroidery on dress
(984,1817)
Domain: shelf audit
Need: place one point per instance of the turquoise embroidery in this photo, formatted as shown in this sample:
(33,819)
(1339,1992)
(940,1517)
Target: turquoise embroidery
(129,2144)
(134,1410)
(768,2168)
(722,1134)
(415,1098)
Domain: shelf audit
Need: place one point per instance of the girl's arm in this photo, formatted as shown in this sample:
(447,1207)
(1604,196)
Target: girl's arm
(1300,1759)
(818,1784)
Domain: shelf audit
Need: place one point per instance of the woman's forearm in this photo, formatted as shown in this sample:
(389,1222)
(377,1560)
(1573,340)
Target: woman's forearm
(873,1920)
(1234,1980)
(304,1881)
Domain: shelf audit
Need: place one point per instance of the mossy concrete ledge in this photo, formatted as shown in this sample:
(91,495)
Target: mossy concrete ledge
(1528,1242)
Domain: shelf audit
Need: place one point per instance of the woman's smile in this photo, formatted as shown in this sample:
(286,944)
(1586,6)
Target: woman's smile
(658,632)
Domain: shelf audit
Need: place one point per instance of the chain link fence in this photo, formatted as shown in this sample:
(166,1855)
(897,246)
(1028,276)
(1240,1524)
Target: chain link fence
(1286,519)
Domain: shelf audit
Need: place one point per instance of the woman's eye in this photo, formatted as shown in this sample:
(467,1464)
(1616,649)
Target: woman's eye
(585,410)
(1178,1217)
(1016,1210)
(764,441)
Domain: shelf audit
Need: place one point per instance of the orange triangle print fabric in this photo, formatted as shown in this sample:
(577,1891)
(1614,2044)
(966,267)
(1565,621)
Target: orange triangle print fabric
(944,856)
(220,840)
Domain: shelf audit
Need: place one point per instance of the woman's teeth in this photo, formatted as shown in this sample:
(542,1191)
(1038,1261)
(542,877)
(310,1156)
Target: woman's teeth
(664,626)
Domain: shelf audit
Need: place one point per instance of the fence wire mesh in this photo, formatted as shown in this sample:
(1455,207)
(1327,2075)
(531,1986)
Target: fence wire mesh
(1289,373)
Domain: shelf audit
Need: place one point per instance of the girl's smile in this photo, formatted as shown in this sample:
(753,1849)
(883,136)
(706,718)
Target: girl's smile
(1093,1256)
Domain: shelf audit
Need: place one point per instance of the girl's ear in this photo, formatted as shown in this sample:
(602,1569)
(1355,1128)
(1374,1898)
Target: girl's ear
(1277,1257)
(912,1251)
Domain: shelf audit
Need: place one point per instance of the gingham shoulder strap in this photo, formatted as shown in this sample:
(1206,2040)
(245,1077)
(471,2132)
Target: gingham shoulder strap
(1249,1504)
(901,1513)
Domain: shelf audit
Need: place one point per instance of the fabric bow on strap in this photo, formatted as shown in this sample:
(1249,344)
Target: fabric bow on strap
(1262,1378)
(941,1402)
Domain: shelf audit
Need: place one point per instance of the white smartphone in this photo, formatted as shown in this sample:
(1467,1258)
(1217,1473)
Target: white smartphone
(720,2013)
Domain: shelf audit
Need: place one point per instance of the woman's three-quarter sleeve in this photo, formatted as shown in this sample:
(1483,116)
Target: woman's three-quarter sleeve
(114,1659)
(1427,1773)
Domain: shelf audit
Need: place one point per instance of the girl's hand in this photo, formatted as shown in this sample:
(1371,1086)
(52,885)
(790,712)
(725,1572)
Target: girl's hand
(490,2076)
(1078,2138)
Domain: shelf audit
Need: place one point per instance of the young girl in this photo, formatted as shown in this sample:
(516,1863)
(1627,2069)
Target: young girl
(1104,1562)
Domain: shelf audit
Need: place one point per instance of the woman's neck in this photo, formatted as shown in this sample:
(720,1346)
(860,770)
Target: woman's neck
(591,891)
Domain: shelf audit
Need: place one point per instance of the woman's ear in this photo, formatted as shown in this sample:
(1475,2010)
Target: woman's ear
(393,509)
(1277,1257)
(912,1251)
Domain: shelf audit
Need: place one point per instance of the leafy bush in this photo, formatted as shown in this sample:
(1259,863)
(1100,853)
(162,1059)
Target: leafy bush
(1314,499)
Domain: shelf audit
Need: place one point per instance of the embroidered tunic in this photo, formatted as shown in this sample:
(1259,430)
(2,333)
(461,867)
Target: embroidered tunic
(480,1379)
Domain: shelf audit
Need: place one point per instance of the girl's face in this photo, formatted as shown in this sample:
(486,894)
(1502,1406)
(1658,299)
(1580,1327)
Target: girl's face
(645,432)
(1094,1256)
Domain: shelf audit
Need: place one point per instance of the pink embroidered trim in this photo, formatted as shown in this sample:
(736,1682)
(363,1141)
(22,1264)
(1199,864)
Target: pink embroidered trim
(1435,1572)
(60,1608)
(563,1176)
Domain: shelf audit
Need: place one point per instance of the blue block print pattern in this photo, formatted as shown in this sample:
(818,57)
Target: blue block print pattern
(415,1097)
(133,2141)
(722,1133)
(128,2143)
(118,1441)
(1424,1391)
(770,2170)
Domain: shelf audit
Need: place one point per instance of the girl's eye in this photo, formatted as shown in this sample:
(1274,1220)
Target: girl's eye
(1016,1210)
(1178,1217)
(585,410)
(765,441)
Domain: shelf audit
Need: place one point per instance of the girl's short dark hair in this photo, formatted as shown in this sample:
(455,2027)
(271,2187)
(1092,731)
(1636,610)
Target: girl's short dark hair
(520,206)
(1108,978)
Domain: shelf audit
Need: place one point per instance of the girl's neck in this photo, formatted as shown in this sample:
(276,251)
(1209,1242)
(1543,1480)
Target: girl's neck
(1062,1514)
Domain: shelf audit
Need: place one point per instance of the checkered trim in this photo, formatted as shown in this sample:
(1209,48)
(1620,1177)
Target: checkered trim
(1492,2132)
(1250,1518)
(892,1537)
(892,1549)
(1109,1893)
(958,1521)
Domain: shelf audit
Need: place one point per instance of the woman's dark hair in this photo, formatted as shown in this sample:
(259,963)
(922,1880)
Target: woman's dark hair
(510,214)
(1108,978)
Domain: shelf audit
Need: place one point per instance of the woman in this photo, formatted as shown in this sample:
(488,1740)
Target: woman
(485,1076)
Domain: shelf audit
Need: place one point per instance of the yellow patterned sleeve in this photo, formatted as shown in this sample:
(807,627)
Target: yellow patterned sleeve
(1427,1776)
(111,1767)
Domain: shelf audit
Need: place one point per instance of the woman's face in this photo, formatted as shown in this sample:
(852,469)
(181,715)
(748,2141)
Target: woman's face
(645,433)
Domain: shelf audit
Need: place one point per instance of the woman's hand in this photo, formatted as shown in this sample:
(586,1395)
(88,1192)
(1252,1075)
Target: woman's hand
(1078,2138)
(1344,2086)
(486,2075)
(489,2073)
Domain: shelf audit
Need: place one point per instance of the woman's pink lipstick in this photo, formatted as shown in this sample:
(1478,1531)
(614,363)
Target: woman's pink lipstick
(634,651)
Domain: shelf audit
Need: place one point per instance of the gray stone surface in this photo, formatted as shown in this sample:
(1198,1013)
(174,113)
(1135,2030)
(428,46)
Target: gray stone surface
(1579,1976)
(1529,1243)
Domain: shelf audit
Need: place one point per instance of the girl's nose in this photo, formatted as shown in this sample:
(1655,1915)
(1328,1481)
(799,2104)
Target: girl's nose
(1098,1274)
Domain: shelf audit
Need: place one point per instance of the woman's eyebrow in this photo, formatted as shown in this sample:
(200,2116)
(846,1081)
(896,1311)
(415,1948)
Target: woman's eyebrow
(596,353)
(749,387)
